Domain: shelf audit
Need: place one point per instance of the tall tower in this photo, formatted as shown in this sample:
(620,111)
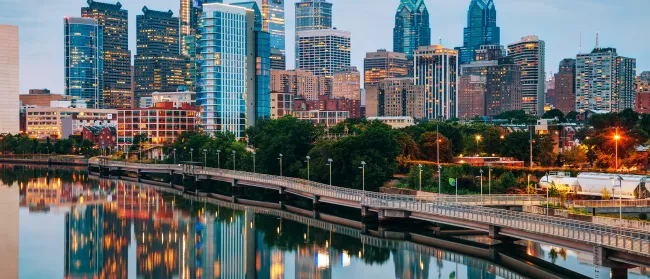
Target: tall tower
(481,29)
(411,27)
(436,68)
(323,52)
(117,57)
(312,15)
(529,54)
(273,21)
(158,63)
(84,60)
(9,80)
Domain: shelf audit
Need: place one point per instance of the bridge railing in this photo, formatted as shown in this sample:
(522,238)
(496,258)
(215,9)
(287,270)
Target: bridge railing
(495,199)
(611,203)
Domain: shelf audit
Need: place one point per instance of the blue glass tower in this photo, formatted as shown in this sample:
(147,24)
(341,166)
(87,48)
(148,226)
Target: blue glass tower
(411,27)
(481,29)
(84,60)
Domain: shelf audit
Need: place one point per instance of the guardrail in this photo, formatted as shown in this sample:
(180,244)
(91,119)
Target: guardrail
(611,203)
(630,240)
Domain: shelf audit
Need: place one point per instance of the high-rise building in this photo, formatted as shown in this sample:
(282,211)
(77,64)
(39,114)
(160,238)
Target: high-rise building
(346,84)
(384,64)
(642,95)
(604,81)
(84,60)
(158,63)
(564,95)
(503,89)
(301,84)
(313,15)
(273,22)
(323,52)
(481,29)
(645,76)
(9,80)
(278,60)
(190,13)
(472,89)
(436,68)
(411,27)
(395,97)
(529,54)
(228,87)
(117,57)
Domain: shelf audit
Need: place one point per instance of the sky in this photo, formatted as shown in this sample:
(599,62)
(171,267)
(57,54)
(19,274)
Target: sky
(623,24)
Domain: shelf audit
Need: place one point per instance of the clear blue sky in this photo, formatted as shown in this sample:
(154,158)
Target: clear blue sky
(623,24)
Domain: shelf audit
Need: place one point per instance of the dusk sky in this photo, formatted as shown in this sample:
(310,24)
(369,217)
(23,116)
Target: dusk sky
(622,24)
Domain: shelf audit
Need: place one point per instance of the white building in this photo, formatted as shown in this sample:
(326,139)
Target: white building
(178,98)
(396,122)
(436,68)
(323,52)
(60,123)
(324,118)
(9,80)
(529,54)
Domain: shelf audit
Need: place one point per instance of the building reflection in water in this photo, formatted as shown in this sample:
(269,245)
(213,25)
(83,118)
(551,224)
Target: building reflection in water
(9,230)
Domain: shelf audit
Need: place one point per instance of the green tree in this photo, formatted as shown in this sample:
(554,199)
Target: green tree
(554,113)
(427,177)
(429,147)
(575,156)
(517,145)
(543,153)
(572,116)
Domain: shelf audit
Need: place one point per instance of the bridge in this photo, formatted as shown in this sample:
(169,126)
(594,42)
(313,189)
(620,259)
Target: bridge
(614,247)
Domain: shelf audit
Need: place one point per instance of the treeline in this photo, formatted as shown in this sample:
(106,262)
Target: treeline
(22,144)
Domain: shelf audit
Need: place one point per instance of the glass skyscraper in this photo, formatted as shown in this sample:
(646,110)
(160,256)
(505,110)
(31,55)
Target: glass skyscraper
(273,22)
(411,27)
(481,29)
(313,14)
(114,21)
(84,60)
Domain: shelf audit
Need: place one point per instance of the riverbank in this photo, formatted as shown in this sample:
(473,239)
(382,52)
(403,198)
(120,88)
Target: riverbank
(58,161)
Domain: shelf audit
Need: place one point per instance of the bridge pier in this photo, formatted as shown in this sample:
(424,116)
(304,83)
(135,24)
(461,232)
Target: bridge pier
(315,201)
(601,258)
(392,214)
(494,233)
(236,190)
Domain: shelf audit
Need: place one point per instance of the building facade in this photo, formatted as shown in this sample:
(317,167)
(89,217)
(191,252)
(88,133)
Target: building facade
(383,64)
(324,103)
(158,63)
(346,84)
(481,29)
(322,118)
(117,56)
(278,60)
(436,68)
(323,52)
(60,123)
(564,97)
(504,87)
(604,81)
(102,137)
(281,104)
(84,61)
(40,98)
(162,123)
(411,27)
(642,95)
(471,96)
(529,54)
(9,80)
(395,97)
(273,22)
(313,15)
(301,84)
(177,98)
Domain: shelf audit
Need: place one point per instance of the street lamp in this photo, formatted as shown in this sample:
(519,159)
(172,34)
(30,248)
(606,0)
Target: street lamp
(439,179)
(620,199)
(205,158)
(481,171)
(420,166)
(234,160)
(478,139)
(489,180)
(547,194)
(191,154)
(280,158)
(329,163)
(174,156)
(254,153)
(219,158)
(308,158)
(617,137)
(363,177)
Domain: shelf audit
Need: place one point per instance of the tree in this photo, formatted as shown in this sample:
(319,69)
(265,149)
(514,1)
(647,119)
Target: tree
(409,149)
(572,116)
(575,156)
(516,145)
(427,177)
(543,150)
(429,147)
(605,195)
(554,114)
(517,117)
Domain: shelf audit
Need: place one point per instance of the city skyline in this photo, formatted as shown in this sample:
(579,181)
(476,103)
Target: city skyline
(40,22)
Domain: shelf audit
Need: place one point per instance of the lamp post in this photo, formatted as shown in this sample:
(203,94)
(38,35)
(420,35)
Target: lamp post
(420,166)
(617,137)
(528,185)
(191,154)
(439,179)
(620,199)
(280,158)
(174,156)
(254,153)
(481,171)
(363,177)
(329,163)
(308,158)
(234,160)
(548,200)
(478,139)
(489,180)
(219,158)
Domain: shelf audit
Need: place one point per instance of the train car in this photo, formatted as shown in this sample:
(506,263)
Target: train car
(625,186)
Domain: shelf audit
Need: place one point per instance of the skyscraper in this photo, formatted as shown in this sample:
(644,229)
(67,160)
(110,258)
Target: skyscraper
(565,93)
(278,60)
(9,80)
(117,57)
(84,60)
(395,97)
(604,81)
(411,27)
(323,52)
(436,68)
(273,21)
(529,54)
(503,87)
(642,95)
(385,64)
(158,63)
(312,15)
(481,29)
(228,87)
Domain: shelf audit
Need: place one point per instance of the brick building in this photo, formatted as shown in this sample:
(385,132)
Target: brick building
(161,123)
(324,103)
(101,136)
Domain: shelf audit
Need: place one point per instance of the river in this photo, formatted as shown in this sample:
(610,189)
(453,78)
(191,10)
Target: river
(63,223)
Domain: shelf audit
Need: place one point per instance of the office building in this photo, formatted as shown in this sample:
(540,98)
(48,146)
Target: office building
(228,88)
(324,103)
(278,60)
(117,57)
(394,97)
(301,84)
(273,22)
(563,95)
(384,64)
(281,104)
(645,76)
(642,95)
(190,14)
(40,98)
(323,52)
(411,27)
(347,84)
(313,15)
(158,63)
(83,49)
(604,81)
(471,96)
(9,80)
(481,29)
(436,68)
(164,123)
(529,54)
(504,87)
(61,123)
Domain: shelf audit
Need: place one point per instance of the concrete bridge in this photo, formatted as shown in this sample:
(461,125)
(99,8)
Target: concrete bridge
(613,247)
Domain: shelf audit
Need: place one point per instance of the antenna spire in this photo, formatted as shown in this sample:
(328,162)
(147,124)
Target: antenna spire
(580,46)
(596,39)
